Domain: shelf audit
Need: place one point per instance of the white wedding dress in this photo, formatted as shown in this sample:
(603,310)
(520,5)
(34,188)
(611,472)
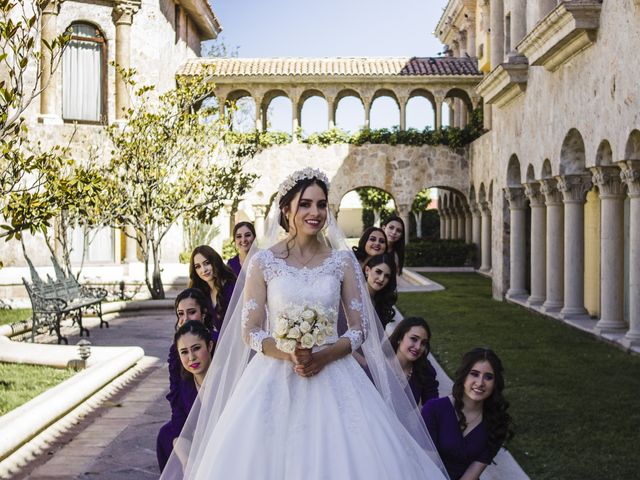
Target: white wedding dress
(335,425)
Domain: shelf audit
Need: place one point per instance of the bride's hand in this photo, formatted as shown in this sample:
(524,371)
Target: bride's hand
(301,356)
(316,363)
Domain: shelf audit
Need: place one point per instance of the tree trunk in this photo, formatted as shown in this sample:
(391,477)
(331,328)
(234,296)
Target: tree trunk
(156,281)
(418,217)
(376,218)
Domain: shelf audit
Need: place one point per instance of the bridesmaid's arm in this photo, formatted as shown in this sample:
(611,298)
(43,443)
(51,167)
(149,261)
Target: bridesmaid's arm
(474,471)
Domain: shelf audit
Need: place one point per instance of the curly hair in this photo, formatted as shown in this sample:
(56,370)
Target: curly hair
(398,246)
(386,298)
(360,251)
(195,328)
(497,420)
(239,225)
(221,275)
(420,365)
(200,299)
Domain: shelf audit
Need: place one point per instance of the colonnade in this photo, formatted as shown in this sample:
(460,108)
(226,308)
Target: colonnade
(557,245)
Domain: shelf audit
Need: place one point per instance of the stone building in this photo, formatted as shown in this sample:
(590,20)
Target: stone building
(85,92)
(556,178)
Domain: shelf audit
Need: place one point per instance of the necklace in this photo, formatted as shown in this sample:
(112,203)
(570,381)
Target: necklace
(304,264)
(473,420)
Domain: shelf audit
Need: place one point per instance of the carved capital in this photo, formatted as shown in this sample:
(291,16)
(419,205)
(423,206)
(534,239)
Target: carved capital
(608,181)
(552,196)
(534,194)
(630,175)
(485,207)
(574,188)
(124,10)
(50,7)
(516,198)
(404,210)
(474,207)
(260,211)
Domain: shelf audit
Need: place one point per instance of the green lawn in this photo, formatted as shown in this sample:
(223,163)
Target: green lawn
(14,315)
(575,400)
(20,383)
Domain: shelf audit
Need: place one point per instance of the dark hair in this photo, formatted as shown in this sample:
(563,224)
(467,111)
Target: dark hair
(398,246)
(195,328)
(420,365)
(200,299)
(494,409)
(359,251)
(221,275)
(385,299)
(286,199)
(239,225)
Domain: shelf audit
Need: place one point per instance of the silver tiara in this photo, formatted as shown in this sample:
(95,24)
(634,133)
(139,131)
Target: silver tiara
(304,174)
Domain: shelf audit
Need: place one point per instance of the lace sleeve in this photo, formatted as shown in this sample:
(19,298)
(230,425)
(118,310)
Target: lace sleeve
(254,306)
(352,299)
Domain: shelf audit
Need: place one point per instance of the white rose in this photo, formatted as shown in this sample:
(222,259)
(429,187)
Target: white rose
(287,346)
(308,315)
(281,327)
(291,345)
(328,330)
(294,333)
(307,340)
(320,338)
(305,327)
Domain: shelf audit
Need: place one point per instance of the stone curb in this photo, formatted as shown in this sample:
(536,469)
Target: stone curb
(26,421)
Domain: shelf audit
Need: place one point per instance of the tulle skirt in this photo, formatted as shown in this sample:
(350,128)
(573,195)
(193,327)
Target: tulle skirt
(334,425)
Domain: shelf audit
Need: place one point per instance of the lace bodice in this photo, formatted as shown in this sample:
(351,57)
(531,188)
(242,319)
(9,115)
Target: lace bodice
(272,285)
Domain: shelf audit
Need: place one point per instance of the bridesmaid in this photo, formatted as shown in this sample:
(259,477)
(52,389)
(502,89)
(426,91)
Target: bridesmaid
(194,345)
(395,231)
(380,272)
(209,274)
(469,427)
(244,234)
(373,241)
(410,340)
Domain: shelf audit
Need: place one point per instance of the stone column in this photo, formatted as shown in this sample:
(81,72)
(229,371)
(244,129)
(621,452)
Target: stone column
(402,103)
(366,101)
(574,190)
(123,17)
(130,246)
(610,188)
(468,226)
(486,116)
(497,33)
(462,225)
(259,212)
(518,24)
(295,120)
(438,112)
(453,221)
(476,225)
(49,31)
(447,223)
(485,262)
(471,37)
(331,105)
(538,243)
(440,222)
(555,246)
(517,242)
(404,212)
(631,177)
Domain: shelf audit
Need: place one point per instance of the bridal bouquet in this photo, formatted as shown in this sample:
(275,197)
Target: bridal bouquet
(306,327)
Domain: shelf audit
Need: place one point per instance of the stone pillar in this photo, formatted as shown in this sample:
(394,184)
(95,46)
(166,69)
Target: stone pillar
(453,221)
(462,225)
(438,113)
(574,189)
(485,261)
(538,243)
(518,24)
(130,246)
(295,120)
(447,223)
(486,116)
(517,241)
(402,103)
(452,114)
(555,246)
(259,212)
(468,226)
(631,177)
(367,111)
(497,33)
(440,221)
(261,114)
(123,17)
(471,37)
(331,105)
(49,31)
(610,188)
(404,212)
(476,225)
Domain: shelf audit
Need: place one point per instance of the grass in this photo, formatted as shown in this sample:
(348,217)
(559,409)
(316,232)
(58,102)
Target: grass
(14,315)
(19,383)
(574,399)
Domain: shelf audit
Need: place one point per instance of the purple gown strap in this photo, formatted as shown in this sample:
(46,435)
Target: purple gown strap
(174,374)
(234,264)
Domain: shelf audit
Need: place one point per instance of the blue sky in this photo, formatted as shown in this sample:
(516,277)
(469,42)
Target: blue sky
(289,28)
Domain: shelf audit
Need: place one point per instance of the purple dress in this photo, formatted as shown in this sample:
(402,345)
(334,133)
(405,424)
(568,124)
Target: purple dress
(457,452)
(234,264)
(181,402)
(427,390)
(218,317)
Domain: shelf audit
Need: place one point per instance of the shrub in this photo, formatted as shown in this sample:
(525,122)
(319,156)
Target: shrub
(440,253)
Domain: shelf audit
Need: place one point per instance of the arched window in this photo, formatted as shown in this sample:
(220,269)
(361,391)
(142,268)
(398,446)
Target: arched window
(83,73)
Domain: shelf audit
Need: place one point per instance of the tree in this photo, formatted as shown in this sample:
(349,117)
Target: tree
(168,161)
(375,200)
(420,205)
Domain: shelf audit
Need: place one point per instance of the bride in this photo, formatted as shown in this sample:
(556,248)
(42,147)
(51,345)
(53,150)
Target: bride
(270,409)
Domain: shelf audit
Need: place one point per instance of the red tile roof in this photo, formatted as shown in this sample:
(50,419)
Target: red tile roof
(337,66)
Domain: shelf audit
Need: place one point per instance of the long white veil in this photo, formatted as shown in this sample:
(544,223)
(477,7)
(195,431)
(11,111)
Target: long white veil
(232,356)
